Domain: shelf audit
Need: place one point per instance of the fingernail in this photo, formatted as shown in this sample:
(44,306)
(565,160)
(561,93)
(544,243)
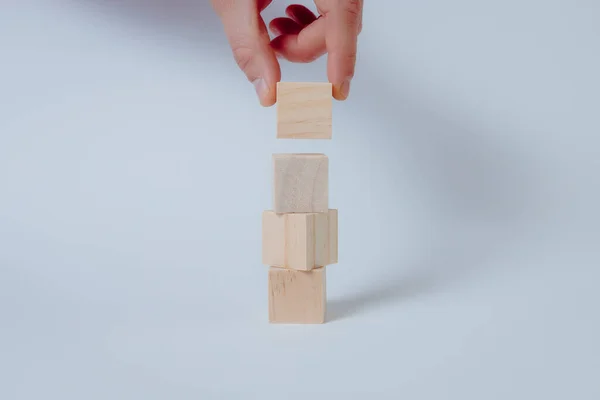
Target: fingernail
(261,87)
(345,88)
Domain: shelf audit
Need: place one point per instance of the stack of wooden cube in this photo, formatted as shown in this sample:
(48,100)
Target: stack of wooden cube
(300,233)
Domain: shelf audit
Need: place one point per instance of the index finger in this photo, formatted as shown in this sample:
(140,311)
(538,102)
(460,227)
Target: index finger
(343,22)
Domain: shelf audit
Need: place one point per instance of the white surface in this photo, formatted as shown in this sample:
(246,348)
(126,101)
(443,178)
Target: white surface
(135,164)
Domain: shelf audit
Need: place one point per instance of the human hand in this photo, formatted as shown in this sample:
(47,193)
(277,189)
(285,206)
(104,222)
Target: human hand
(302,37)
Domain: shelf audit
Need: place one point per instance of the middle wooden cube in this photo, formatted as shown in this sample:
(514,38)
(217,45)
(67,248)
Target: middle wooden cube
(299,241)
(301,183)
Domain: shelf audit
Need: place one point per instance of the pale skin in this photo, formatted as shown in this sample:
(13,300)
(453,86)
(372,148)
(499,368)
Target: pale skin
(302,37)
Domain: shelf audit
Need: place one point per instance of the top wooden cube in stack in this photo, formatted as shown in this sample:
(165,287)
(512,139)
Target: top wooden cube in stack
(300,183)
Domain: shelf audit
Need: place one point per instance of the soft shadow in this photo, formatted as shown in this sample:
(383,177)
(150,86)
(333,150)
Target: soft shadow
(400,288)
(480,181)
(484,192)
(435,269)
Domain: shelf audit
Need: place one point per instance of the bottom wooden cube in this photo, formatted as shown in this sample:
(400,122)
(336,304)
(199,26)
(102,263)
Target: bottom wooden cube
(297,297)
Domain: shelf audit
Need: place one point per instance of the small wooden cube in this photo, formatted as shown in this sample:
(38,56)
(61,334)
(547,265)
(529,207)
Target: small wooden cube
(302,241)
(301,183)
(297,297)
(304,110)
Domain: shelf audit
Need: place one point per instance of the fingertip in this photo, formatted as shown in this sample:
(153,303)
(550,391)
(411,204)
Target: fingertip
(337,94)
(273,75)
(266,103)
(342,91)
(265,82)
(267,88)
(269,99)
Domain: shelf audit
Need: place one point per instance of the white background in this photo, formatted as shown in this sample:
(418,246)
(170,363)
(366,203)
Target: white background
(135,165)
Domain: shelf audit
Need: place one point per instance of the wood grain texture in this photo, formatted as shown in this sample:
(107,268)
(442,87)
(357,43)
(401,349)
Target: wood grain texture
(300,183)
(332,245)
(297,297)
(300,241)
(273,239)
(304,110)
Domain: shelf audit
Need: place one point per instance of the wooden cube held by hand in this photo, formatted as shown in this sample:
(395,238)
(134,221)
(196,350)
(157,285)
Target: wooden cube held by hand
(304,110)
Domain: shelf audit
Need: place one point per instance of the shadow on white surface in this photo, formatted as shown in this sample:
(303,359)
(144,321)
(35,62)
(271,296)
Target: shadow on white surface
(485,194)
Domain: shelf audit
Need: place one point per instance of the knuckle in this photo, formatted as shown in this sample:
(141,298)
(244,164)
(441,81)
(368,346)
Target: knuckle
(243,54)
(222,6)
(351,58)
(350,63)
(308,58)
(353,7)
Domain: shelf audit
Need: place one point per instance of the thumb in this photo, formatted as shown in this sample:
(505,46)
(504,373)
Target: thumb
(250,43)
